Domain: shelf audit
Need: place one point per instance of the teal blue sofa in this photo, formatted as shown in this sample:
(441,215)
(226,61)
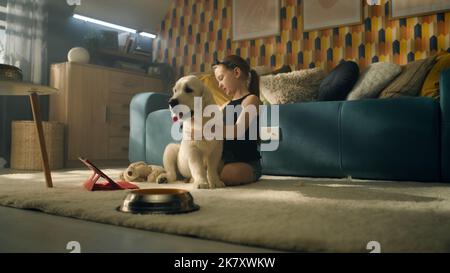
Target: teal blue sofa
(404,139)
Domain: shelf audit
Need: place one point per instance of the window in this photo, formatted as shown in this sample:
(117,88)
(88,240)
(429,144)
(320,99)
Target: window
(2,29)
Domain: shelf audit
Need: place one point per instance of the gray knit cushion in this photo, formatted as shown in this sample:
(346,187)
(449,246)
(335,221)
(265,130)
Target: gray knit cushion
(373,80)
(296,86)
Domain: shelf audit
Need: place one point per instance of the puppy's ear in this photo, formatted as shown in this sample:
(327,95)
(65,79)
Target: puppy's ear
(207,97)
(187,89)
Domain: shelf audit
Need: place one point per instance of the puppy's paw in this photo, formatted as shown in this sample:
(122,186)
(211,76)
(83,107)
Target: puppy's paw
(162,179)
(188,180)
(217,184)
(201,185)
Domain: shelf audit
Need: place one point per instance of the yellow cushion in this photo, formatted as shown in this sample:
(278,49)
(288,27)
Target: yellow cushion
(210,81)
(430,87)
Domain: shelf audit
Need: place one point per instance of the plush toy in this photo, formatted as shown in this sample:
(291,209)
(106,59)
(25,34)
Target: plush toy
(141,172)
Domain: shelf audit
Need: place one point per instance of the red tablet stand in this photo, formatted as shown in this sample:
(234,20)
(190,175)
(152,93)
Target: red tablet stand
(92,184)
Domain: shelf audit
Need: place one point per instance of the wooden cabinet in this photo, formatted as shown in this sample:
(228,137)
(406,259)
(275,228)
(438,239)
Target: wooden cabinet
(94,104)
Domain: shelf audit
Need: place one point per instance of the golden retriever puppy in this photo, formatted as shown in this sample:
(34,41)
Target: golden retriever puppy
(197,157)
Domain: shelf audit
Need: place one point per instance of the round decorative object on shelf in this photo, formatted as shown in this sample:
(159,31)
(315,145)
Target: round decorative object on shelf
(10,73)
(78,55)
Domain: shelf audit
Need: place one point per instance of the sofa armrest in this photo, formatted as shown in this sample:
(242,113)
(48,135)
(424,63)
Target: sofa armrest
(141,105)
(444,85)
(444,92)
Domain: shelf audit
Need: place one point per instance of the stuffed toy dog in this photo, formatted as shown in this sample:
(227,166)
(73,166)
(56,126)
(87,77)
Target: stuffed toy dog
(141,172)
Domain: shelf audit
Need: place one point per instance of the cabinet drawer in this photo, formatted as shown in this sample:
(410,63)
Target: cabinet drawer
(125,83)
(153,85)
(119,98)
(119,109)
(119,130)
(119,104)
(119,125)
(118,119)
(118,148)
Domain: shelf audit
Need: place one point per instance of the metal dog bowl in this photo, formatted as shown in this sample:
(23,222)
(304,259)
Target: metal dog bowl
(158,201)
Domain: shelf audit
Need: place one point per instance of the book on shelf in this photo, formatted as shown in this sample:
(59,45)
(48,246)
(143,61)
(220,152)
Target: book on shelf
(128,44)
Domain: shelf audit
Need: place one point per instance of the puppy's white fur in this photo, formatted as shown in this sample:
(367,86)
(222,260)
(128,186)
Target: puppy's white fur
(198,160)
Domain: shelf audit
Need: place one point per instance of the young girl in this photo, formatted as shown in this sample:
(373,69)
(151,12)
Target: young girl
(241,157)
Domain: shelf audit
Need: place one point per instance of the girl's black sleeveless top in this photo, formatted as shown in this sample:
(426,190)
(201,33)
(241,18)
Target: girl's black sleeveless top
(240,150)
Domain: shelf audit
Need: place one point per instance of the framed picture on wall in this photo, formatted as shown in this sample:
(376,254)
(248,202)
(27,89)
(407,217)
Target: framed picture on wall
(324,14)
(255,19)
(408,8)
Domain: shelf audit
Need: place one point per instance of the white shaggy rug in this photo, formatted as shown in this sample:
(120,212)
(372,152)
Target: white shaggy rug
(286,213)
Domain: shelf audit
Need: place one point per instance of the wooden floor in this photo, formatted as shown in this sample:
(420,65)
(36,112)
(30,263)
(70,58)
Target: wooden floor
(36,232)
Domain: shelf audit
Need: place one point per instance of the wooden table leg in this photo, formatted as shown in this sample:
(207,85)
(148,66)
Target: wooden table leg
(40,131)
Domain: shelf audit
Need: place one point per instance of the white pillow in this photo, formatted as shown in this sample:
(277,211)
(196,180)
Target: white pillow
(292,87)
(373,80)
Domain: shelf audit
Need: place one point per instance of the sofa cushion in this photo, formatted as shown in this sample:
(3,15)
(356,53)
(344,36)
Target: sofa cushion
(339,82)
(282,69)
(391,139)
(373,80)
(296,86)
(410,81)
(266,70)
(262,70)
(430,87)
(309,140)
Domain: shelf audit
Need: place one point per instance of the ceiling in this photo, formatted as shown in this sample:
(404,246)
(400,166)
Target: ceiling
(142,15)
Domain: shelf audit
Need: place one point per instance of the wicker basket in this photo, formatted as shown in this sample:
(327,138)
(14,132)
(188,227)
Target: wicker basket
(25,150)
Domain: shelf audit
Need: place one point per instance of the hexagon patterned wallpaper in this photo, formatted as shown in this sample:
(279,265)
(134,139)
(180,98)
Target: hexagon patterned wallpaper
(196,32)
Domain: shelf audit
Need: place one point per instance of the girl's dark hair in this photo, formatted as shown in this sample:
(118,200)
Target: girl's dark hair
(233,61)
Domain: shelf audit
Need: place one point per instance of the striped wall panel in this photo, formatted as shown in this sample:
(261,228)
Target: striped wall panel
(195,32)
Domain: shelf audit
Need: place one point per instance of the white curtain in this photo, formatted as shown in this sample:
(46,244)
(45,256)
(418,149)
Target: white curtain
(26,31)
